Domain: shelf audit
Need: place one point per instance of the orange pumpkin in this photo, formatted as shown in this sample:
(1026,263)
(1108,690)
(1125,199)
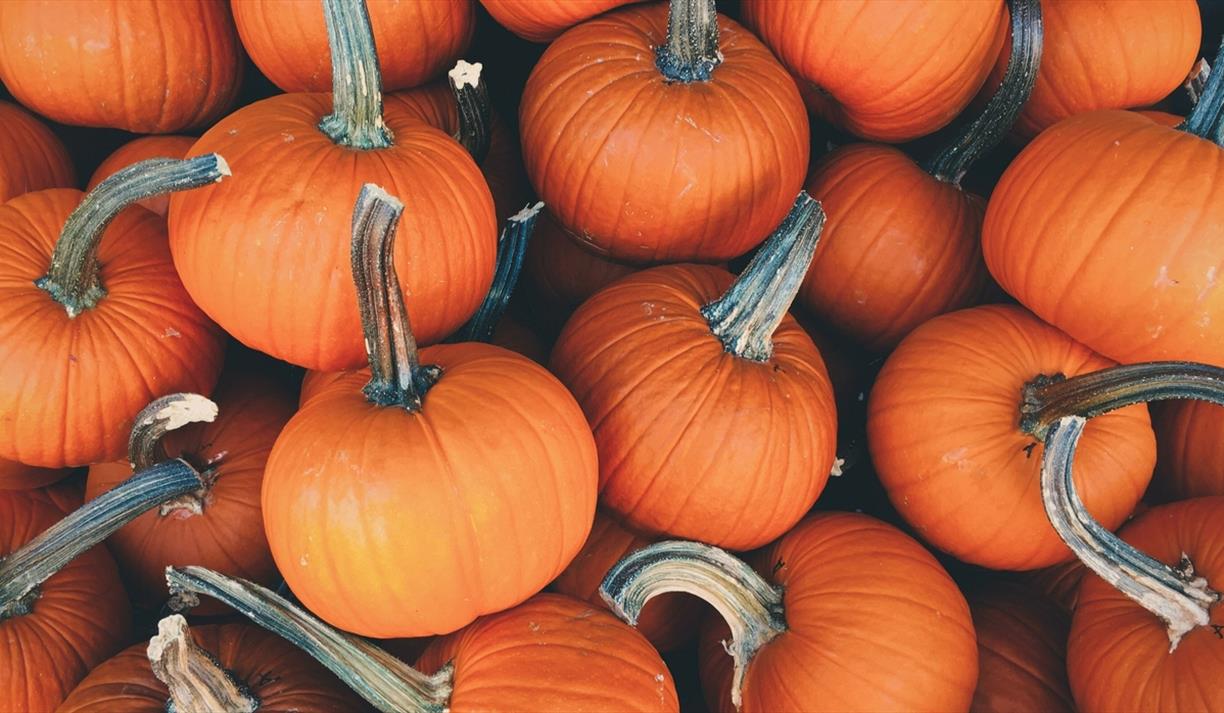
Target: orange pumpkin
(886,71)
(543,20)
(19,476)
(151,67)
(31,157)
(664,135)
(1189,450)
(713,415)
(94,322)
(1060,582)
(563,271)
(141,149)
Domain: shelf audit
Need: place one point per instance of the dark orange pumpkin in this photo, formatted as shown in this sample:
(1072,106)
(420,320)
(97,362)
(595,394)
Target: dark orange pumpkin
(1060,582)
(141,149)
(543,20)
(1189,450)
(152,67)
(565,272)
(31,157)
(662,136)
(67,495)
(19,476)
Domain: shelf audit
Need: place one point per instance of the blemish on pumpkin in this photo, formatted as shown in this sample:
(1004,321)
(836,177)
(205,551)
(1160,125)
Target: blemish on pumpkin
(305,560)
(1155,331)
(1209,286)
(533,626)
(233,132)
(1163,279)
(287,137)
(171,332)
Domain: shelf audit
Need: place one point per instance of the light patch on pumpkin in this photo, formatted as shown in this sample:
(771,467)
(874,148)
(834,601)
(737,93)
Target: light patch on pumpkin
(1162,278)
(171,332)
(1209,286)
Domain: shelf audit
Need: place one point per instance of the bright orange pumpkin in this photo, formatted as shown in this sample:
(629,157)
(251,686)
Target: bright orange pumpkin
(543,20)
(141,149)
(31,157)
(564,271)
(1189,450)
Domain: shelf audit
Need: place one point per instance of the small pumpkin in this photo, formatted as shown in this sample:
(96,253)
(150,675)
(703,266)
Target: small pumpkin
(141,149)
(1189,450)
(543,20)
(31,156)
(564,272)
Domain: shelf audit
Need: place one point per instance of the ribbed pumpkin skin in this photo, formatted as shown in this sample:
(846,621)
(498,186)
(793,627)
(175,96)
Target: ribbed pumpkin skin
(1135,283)
(874,624)
(1060,582)
(146,66)
(31,157)
(1189,450)
(943,430)
(899,246)
(553,654)
(141,149)
(284,678)
(564,271)
(1118,654)
(886,70)
(475,503)
(543,20)
(417,40)
(69,388)
(19,476)
(266,252)
(649,170)
(80,618)
(693,441)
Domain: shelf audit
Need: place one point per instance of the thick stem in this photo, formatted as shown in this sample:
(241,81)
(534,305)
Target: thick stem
(161,416)
(511,249)
(22,571)
(1196,81)
(691,51)
(984,132)
(747,314)
(751,606)
(1206,120)
(72,278)
(384,681)
(356,120)
(1046,399)
(475,112)
(1174,594)
(196,680)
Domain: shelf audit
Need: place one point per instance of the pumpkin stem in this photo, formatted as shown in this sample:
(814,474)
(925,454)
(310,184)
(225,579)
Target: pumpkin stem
(145,447)
(384,681)
(749,312)
(22,571)
(1196,81)
(356,120)
(1046,399)
(196,680)
(1206,120)
(691,51)
(984,132)
(397,378)
(1174,594)
(511,248)
(72,278)
(475,114)
(752,607)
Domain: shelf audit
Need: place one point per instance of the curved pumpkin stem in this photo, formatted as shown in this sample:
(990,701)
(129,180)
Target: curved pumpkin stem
(1174,594)
(475,113)
(39,559)
(511,248)
(984,132)
(397,378)
(356,120)
(145,448)
(749,312)
(1206,120)
(1196,81)
(691,51)
(196,680)
(72,278)
(751,606)
(388,684)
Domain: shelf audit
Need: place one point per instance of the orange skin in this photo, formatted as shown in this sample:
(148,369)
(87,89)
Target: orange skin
(543,20)
(147,66)
(31,157)
(18,476)
(1189,449)
(1058,237)
(79,619)
(693,441)
(1059,582)
(564,271)
(141,149)
(477,501)
(943,430)
(280,233)
(552,654)
(874,624)
(70,387)
(883,70)
(899,247)
(287,40)
(645,169)
(1118,654)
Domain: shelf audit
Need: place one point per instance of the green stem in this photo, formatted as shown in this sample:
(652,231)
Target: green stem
(387,683)
(984,132)
(356,120)
(752,607)
(691,51)
(1206,120)
(749,312)
(72,278)
(475,113)
(511,249)
(1174,594)
(196,680)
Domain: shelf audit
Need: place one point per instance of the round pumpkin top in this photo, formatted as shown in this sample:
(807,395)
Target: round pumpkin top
(543,20)
(140,149)
(31,157)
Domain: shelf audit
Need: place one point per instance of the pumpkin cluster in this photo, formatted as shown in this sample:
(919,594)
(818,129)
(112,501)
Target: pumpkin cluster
(611,355)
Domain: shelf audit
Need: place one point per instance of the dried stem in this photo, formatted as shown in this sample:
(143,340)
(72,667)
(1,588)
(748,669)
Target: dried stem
(195,678)
(691,51)
(511,249)
(475,113)
(356,120)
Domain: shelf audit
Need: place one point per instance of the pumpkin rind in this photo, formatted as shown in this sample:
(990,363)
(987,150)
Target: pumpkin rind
(564,271)
(31,157)
(543,20)
(1190,450)
(140,149)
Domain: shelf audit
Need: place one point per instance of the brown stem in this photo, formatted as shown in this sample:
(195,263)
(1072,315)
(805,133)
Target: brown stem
(196,680)
(475,113)
(691,51)
(161,416)
(356,120)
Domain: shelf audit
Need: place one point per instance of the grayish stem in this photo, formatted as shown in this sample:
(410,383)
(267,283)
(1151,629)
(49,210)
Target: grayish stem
(356,120)
(511,249)
(195,678)
(475,113)
(691,52)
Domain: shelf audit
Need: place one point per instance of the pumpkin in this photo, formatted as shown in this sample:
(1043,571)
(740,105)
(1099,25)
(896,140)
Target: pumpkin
(141,149)
(713,415)
(18,476)
(483,431)
(664,134)
(279,232)
(94,322)
(67,495)
(1059,583)
(151,67)
(543,20)
(1189,450)
(885,71)
(843,613)
(563,271)
(31,157)
(416,39)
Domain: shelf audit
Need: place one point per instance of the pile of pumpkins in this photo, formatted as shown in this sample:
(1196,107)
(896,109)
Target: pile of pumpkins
(825,386)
